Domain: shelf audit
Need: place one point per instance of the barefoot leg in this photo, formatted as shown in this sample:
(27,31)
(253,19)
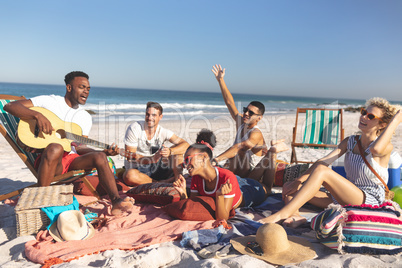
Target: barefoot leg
(121,205)
(344,191)
(294,221)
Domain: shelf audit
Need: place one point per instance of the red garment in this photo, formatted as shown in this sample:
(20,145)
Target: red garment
(223,175)
(65,161)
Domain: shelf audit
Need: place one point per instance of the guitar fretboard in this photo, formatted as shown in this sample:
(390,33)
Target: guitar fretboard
(87,141)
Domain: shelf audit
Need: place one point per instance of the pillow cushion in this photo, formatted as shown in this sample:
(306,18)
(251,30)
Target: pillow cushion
(372,230)
(360,229)
(156,193)
(285,172)
(199,208)
(82,189)
(279,173)
(326,225)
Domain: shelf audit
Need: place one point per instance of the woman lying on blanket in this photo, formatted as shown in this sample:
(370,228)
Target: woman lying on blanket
(229,191)
(378,122)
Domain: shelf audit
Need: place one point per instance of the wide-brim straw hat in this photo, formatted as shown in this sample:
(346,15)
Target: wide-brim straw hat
(71,225)
(277,247)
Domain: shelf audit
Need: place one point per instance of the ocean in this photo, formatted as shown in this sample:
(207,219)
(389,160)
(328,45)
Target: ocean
(107,102)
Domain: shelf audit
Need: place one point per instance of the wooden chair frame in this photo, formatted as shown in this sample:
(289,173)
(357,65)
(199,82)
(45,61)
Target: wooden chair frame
(296,144)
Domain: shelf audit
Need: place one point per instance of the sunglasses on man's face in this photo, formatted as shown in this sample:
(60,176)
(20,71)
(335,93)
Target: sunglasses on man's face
(187,160)
(370,116)
(247,110)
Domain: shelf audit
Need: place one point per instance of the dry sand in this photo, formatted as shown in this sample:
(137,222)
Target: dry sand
(15,175)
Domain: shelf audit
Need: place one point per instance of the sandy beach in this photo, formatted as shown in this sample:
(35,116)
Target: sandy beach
(15,175)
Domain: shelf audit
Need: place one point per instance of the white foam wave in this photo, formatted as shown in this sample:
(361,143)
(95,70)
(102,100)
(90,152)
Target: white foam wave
(128,106)
(142,114)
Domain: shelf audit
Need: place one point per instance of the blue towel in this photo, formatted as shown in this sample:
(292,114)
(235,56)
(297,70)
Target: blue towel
(53,212)
(200,238)
(89,216)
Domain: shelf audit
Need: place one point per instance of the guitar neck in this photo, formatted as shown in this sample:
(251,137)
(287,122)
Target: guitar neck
(87,141)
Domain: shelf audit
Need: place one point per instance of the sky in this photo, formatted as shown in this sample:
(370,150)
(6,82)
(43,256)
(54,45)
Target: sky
(343,48)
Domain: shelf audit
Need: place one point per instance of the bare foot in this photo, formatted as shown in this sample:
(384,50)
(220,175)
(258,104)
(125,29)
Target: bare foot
(294,221)
(121,205)
(271,219)
(278,146)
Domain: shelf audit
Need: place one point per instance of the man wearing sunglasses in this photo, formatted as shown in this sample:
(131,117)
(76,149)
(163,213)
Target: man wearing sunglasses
(246,156)
(148,159)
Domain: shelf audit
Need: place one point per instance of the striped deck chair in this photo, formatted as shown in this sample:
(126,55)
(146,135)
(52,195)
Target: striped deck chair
(8,128)
(323,129)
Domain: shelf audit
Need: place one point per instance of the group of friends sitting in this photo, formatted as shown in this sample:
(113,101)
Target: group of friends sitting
(249,164)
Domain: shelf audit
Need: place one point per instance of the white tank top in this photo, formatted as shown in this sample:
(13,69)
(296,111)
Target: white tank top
(252,158)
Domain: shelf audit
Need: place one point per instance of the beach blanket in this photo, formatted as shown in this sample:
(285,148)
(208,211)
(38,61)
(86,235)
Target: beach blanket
(143,226)
(244,223)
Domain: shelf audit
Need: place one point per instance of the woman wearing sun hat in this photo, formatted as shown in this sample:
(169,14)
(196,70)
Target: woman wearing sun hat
(377,123)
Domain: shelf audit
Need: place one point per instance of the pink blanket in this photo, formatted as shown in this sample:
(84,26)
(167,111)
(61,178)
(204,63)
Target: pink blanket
(143,226)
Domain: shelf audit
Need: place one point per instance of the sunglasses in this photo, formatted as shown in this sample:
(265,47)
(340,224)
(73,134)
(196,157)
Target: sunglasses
(251,113)
(188,160)
(370,116)
(255,248)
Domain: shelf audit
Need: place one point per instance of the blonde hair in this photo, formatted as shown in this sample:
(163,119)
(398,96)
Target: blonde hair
(388,110)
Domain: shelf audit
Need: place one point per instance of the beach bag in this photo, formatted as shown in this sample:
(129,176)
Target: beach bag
(363,229)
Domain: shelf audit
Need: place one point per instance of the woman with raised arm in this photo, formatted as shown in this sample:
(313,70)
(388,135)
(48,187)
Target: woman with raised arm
(378,122)
(229,191)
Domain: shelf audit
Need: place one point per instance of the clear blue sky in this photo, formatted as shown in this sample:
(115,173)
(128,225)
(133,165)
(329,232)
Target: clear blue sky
(351,49)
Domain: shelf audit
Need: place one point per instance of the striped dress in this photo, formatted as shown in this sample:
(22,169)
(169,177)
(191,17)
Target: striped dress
(360,175)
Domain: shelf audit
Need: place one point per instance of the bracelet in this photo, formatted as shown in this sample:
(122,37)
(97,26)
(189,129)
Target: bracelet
(170,151)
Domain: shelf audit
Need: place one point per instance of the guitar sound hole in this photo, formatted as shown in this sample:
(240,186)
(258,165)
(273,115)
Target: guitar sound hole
(61,134)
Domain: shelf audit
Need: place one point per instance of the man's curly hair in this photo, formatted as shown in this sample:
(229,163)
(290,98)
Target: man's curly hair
(70,76)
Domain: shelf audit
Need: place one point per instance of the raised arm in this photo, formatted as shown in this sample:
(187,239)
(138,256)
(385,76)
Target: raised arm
(227,96)
(382,146)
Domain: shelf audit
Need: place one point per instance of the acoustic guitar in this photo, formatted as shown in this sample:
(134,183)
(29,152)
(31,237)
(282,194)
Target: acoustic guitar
(64,134)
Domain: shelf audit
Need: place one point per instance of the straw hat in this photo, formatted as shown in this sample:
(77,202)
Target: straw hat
(71,225)
(276,246)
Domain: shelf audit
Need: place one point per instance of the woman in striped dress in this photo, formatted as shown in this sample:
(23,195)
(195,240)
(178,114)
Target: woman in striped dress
(378,122)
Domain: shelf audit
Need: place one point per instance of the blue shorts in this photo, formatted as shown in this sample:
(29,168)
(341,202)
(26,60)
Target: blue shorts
(158,171)
(252,190)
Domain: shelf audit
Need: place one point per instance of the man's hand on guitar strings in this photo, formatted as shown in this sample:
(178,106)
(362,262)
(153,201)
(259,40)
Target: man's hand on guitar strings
(43,124)
(112,150)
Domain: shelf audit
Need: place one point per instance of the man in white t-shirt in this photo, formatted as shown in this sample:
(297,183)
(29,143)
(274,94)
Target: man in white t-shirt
(149,159)
(53,159)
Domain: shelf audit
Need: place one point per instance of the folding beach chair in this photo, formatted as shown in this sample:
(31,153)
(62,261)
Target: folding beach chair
(323,129)
(8,129)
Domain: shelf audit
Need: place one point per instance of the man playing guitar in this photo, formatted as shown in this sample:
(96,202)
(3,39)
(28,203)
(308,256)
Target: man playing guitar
(53,159)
